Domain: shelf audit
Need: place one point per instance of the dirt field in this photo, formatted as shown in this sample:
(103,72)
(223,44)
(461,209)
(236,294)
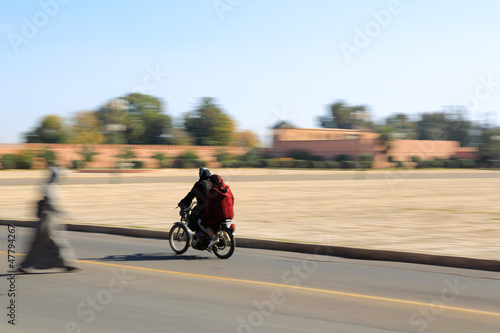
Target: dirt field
(443,216)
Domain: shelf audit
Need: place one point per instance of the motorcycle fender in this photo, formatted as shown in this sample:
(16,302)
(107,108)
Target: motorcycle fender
(229,231)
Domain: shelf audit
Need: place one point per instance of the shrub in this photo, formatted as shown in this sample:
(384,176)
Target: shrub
(342,158)
(318,164)
(299,154)
(78,164)
(366,160)
(266,163)
(88,154)
(166,163)
(301,164)
(8,161)
(286,163)
(48,155)
(222,156)
(390,159)
(160,157)
(453,164)
(186,164)
(332,164)
(127,154)
(257,164)
(468,163)
(24,160)
(348,165)
(494,163)
(424,164)
(187,155)
(438,164)
(273,163)
(137,164)
(416,159)
(243,164)
(23,165)
(252,155)
(188,160)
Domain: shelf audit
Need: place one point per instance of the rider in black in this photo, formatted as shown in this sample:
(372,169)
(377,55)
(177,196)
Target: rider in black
(199,191)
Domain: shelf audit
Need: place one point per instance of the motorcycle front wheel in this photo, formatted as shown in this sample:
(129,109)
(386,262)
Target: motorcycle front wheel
(224,247)
(179,238)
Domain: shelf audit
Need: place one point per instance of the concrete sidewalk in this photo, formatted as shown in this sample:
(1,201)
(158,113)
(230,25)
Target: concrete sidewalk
(451,218)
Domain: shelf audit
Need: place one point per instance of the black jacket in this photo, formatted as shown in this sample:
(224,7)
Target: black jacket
(199,191)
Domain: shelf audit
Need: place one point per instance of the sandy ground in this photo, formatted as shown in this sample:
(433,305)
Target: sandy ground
(440,216)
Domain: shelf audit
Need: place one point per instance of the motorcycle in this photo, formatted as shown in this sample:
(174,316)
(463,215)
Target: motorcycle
(181,237)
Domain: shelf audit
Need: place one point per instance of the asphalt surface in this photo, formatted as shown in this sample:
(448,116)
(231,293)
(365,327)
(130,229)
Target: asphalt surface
(139,285)
(107,178)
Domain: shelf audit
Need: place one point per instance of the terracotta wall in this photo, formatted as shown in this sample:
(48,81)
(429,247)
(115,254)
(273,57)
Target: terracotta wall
(327,148)
(401,150)
(321,134)
(468,153)
(106,157)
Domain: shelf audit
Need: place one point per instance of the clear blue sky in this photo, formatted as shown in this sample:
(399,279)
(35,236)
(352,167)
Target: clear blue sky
(263,60)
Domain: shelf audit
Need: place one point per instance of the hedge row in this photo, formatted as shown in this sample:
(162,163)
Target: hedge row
(452,164)
(13,161)
(289,163)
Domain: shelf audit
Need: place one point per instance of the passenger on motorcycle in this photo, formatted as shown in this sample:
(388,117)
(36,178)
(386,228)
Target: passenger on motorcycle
(219,207)
(200,192)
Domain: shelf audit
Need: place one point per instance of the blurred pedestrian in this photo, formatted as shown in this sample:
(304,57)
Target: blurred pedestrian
(50,247)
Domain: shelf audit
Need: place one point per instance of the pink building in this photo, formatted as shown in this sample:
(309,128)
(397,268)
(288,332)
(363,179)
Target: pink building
(329,143)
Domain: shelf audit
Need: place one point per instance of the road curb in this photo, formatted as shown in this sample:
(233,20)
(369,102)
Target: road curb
(316,249)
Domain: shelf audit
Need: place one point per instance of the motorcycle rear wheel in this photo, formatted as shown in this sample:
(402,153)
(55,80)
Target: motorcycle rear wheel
(179,238)
(224,248)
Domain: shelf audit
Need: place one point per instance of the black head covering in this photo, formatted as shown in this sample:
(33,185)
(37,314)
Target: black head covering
(204,173)
(218,183)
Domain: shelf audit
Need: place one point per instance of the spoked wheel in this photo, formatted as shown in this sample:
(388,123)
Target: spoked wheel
(179,238)
(224,248)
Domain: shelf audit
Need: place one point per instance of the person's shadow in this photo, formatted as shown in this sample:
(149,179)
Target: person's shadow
(148,257)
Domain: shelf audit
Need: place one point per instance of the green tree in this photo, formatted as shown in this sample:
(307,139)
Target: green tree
(490,144)
(341,115)
(402,126)
(135,119)
(148,110)
(245,139)
(179,137)
(209,125)
(445,125)
(86,129)
(386,136)
(50,130)
(113,118)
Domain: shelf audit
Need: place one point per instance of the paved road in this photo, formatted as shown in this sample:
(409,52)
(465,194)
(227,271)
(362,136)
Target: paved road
(231,177)
(138,285)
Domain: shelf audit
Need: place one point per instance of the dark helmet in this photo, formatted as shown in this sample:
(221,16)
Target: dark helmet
(204,173)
